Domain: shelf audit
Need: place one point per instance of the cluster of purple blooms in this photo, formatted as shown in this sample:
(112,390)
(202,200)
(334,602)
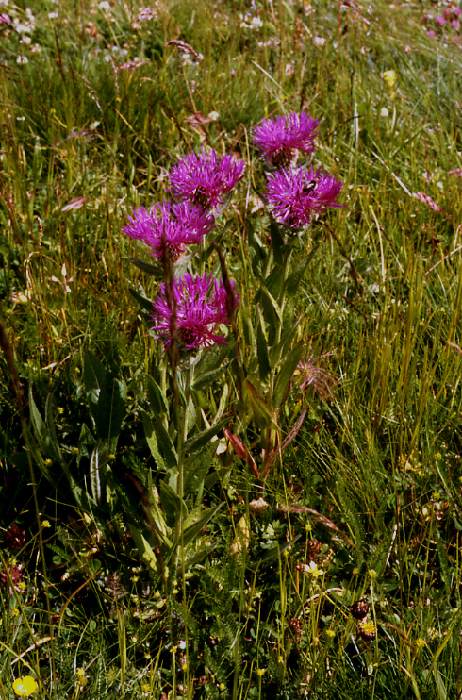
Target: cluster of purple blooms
(190,309)
(449,19)
(294,193)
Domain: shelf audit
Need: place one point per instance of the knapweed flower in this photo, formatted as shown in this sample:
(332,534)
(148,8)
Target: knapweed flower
(278,139)
(200,304)
(205,178)
(167,228)
(24,686)
(295,194)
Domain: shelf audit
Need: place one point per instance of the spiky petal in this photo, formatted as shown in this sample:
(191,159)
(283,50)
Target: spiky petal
(200,304)
(205,178)
(168,228)
(278,139)
(295,194)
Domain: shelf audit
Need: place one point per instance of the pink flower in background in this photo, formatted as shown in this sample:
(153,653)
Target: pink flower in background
(205,178)
(427,200)
(200,305)
(279,138)
(168,228)
(146,14)
(295,194)
(11,576)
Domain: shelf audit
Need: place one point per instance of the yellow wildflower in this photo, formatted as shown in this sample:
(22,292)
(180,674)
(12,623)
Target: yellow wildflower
(25,686)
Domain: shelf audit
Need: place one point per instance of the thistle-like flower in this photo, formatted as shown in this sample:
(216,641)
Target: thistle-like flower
(205,178)
(278,139)
(192,313)
(168,228)
(295,194)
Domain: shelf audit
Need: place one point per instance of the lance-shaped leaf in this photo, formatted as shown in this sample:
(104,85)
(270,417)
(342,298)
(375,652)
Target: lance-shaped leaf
(264,366)
(260,409)
(35,418)
(281,387)
(196,522)
(143,301)
(149,268)
(198,441)
(272,312)
(159,442)
(98,474)
(157,401)
(172,504)
(109,412)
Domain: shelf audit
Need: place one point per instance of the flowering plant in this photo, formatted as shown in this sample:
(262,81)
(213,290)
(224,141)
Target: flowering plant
(231,352)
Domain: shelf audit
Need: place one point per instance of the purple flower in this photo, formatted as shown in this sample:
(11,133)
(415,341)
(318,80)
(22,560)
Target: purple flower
(167,228)
(205,178)
(201,303)
(278,138)
(295,194)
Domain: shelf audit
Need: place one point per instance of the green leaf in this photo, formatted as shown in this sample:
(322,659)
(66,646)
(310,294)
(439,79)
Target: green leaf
(144,302)
(144,548)
(192,531)
(285,375)
(98,475)
(159,441)
(198,441)
(279,246)
(149,268)
(171,503)
(247,327)
(157,401)
(52,437)
(35,418)
(196,468)
(274,283)
(294,279)
(272,313)
(94,376)
(211,366)
(264,366)
(262,413)
(109,411)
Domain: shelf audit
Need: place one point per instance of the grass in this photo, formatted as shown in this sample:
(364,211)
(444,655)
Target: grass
(365,502)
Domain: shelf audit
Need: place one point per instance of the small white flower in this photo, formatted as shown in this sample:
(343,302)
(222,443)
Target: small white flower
(20,60)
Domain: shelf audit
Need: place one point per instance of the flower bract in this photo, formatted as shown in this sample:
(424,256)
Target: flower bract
(167,228)
(279,138)
(191,312)
(295,194)
(205,178)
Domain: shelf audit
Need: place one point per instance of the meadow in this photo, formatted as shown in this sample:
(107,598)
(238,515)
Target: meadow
(272,509)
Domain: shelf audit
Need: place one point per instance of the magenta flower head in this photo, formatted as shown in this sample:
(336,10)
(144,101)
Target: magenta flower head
(168,228)
(278,139)
(192,318)
(205,178)
(295,194)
